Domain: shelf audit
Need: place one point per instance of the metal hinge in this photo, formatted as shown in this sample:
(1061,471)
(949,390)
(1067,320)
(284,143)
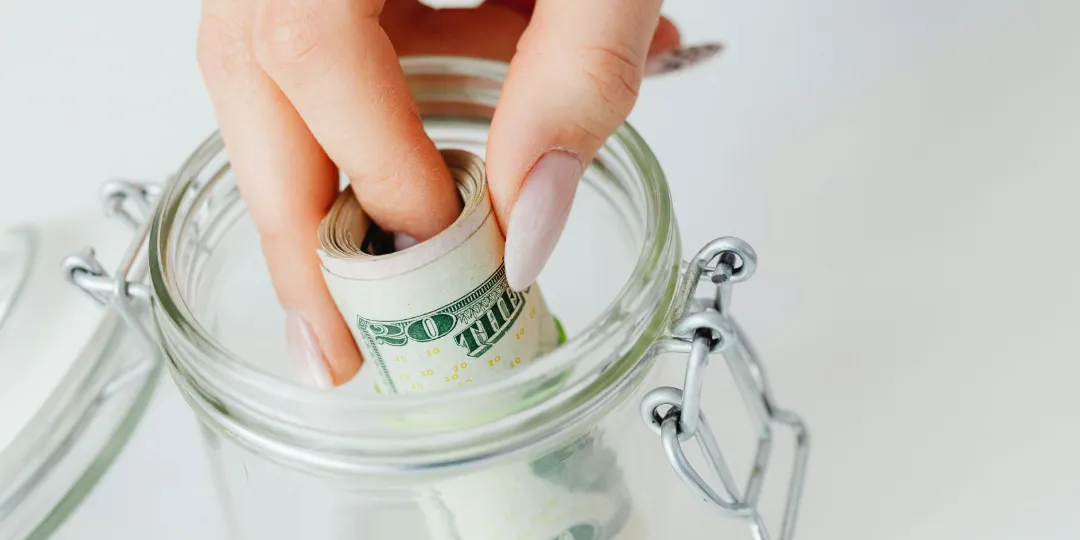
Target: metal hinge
(124,289)
(704,327)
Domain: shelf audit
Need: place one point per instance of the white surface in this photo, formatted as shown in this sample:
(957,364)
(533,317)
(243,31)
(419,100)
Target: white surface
(907,172)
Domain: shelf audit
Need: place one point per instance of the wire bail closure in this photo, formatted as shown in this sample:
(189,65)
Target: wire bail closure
(702,327)
(124,289)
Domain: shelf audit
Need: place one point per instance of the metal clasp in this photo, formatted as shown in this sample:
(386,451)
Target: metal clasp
(124,289)
(702,327)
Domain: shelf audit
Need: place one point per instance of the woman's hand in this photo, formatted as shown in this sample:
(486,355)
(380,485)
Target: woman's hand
(303,88)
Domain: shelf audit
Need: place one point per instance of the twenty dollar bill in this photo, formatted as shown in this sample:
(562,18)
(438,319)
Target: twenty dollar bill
(438,315)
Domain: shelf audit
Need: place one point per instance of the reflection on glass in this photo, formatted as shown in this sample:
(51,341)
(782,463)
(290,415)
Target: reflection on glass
(16,257)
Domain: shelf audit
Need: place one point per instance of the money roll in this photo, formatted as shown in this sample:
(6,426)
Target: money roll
(439,315)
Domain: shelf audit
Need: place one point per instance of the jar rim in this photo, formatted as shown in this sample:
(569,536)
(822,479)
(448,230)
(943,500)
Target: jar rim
(207,370)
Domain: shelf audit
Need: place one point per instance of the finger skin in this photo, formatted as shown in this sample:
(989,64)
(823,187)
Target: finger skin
(285,178)
(340,71)
(573,81)
(284,175)
(665,38)
(490,31)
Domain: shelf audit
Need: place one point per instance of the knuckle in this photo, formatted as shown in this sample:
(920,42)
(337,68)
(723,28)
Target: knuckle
(286,33)
(222,49)
(389,176)
(615,77)
(586,130)
(394,175)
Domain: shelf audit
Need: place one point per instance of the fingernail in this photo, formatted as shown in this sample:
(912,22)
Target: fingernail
(539,215)
(681,58)
(403,241)
(308,360)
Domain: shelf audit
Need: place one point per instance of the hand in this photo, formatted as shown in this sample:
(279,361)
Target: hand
(303,88)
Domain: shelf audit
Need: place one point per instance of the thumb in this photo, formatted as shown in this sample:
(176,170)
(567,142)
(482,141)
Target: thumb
(573,81)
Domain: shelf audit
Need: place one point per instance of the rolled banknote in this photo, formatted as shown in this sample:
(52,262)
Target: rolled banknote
(576,492)
(438,315)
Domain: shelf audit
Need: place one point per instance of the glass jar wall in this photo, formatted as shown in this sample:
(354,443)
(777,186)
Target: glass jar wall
(552,452)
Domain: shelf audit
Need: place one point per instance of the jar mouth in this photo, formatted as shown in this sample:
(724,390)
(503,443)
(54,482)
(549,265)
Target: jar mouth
(374,432)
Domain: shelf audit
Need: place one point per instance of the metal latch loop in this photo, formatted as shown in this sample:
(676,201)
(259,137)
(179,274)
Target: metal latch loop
(124,289)
(703,327)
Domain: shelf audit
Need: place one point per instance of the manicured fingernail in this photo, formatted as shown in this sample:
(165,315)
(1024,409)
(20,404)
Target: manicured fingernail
(403,241)
(539,215)
(307,356)
(681,58)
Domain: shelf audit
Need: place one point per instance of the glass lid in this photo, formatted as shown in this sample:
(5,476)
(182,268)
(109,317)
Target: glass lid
(59,351)
(18,246)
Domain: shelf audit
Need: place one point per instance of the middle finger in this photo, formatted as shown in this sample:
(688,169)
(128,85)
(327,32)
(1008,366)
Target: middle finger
(337,66)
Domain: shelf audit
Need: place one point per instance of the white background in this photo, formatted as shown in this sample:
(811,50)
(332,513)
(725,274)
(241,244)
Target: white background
(908,172)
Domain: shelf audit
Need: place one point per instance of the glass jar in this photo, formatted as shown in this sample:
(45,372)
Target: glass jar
(556,451)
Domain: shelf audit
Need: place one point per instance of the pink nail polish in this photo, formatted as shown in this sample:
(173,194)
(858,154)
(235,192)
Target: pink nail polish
(681,58)
(539,215)
(308,360)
